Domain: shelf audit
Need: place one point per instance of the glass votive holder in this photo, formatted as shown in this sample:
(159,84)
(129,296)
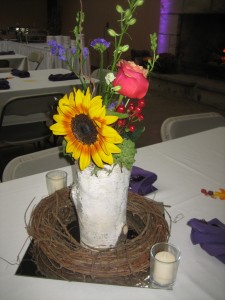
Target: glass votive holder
(56,180)
(164,262)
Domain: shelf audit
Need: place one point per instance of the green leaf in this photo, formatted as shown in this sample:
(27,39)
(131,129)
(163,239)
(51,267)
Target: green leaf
(131,21)
(116,113)
(119,9)
(112,32)
(134,136)
(128,14)
(124,48)
(126,157)
(139,2)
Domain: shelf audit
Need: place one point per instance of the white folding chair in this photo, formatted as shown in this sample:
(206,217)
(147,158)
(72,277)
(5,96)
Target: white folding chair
(36,57)
(4,66)
(178,126)
(36,162)
(25,119)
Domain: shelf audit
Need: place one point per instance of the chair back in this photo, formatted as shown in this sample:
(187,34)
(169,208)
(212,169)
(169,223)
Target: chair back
(5,66)
(25,109)
(96,73)
(5,70)
(4,63)
(36,162)
(178,126)
(26,119)
(36,57)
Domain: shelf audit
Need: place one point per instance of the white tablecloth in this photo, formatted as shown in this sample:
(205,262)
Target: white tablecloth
(37,83)
(16,61)
(183,166)
(49,62)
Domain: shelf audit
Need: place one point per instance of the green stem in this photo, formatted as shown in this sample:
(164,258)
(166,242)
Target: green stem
(100,74)
(120,100)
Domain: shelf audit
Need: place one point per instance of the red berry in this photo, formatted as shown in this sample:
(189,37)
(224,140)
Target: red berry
(132,128)
(121,108)
(203,191)
(131,106)
(140,117)
(138,109)
(121,122)
(141,102)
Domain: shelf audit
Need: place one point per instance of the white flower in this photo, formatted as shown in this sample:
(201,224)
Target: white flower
(109,78)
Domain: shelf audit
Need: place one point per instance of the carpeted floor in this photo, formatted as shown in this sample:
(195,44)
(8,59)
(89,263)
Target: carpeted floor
(158,108)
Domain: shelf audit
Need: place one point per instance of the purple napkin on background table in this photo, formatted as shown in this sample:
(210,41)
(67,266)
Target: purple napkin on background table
(62,77)
(4,84)
(6,52)
(141,181)
(21,74)
(210,235)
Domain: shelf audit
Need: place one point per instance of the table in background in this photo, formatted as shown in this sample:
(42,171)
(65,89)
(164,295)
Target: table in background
(16,61)
(37,83)
(49,62)
(183,166)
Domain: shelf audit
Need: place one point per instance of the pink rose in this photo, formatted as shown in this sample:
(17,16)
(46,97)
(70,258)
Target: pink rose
(132,79)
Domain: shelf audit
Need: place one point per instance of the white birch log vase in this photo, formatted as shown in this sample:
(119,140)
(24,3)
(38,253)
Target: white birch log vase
(101,204)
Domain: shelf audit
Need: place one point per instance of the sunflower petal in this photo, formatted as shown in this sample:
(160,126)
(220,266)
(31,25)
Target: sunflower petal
(106,158)
(58,129)
(112,148)
(85,157)
(96,157)
(110,119)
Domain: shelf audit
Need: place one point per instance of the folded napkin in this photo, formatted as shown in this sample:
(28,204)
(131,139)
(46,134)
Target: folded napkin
(62,77)
(210,235)
(6,52)
(141,181)
(21,74)
(4,84)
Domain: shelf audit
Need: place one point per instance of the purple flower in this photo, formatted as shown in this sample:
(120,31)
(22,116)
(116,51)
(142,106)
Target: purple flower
(54,50)
(52,43)
(85,52)
(112,106)
(61,50)
(100,44)
(73,50)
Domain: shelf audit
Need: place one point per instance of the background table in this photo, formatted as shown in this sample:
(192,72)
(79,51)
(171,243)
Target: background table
(37,83)
(183,166)
(16,61)
(49,62)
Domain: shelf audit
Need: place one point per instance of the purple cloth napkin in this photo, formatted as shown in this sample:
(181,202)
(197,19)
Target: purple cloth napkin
(62,77)
(7,52)
(4,84)
(210,235)
(21,74)
(141,181)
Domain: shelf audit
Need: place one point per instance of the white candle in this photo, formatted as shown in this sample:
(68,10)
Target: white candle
(164,268)
(56,180)
(57,183)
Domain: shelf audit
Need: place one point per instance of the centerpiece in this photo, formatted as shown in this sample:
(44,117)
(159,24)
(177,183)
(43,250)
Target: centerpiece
(99,230)
(98,125)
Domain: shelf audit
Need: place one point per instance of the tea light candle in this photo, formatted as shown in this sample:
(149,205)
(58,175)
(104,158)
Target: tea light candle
(164,268)
(57,183)
(56,180)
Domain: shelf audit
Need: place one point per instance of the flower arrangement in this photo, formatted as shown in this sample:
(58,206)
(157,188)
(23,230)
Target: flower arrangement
(101,128)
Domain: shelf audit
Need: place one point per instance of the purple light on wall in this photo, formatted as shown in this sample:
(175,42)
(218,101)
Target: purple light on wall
(165,8)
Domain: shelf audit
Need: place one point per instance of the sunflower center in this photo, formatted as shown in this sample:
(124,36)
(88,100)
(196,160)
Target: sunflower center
(84,129)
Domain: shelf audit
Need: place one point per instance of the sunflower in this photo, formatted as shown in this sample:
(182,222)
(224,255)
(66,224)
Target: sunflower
(83,122)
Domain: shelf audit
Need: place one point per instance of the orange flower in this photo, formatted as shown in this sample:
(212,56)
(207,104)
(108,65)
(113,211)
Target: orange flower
(220,194)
